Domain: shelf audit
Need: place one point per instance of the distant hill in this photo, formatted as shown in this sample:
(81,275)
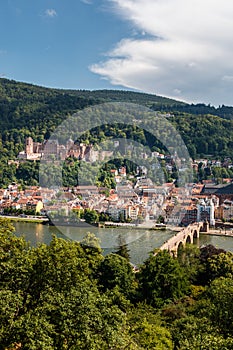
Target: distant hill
(30,110)
(148,100)
(225,112)
(27,105)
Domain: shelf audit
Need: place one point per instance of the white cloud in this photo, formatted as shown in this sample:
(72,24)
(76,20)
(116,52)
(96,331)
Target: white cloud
(177,91)
(87,2)
(188,47)
(50,13)
(228,78)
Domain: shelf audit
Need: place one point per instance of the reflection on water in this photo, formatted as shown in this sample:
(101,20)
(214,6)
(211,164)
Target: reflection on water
(35,233)
(39,232)
(140,242)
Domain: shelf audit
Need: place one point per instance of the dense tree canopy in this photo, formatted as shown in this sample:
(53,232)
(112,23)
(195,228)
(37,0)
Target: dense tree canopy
(162,279)
(67,295)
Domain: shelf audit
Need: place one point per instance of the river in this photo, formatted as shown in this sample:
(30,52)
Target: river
(140,242)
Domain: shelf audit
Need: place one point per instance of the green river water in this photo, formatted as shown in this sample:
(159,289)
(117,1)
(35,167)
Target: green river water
(140,242)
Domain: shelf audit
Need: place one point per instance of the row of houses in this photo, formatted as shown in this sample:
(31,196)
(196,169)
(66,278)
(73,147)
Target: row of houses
(207,201)
(15,198)
(139,201)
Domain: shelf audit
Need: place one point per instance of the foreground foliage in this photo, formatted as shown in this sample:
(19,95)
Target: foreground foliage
(67,295)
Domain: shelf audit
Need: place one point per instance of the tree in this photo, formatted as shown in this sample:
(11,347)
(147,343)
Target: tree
(160,219)
(104,217)
(220,295)
(62,265)
(220,265)
(208,251)
(91,216)
(81,319)
(93,252)
(147,329)
(10,305)
(189,259)
(49,297)
(122,248)
(150,336)
(116,271)
(192,333)
(162,279)
(6,226)
(16,261)
(205,273)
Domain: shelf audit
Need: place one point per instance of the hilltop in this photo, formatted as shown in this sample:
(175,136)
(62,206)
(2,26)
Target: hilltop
(35,111)
(27,105)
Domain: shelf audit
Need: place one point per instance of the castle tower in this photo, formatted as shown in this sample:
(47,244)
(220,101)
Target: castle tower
(69,144)
(29,146)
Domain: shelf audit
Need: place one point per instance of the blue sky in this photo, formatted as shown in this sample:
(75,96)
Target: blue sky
(53,43)
(176,48)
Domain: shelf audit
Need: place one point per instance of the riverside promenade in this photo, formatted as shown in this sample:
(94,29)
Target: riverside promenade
(27,218)
(219,232)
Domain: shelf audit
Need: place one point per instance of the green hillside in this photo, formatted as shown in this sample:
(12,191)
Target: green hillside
(196,109)
(29,110)
(26,105)
(205,134)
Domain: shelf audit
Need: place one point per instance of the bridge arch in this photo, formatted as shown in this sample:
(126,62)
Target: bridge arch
(185,236)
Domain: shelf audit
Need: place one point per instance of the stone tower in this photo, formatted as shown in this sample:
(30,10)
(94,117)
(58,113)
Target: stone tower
(29,146)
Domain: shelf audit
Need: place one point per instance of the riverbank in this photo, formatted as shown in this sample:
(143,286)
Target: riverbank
(219,232)
(83,224)
(28,218)
(109,224)
(143,226)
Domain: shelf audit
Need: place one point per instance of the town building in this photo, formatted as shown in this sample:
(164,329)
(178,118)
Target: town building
(205,211)
(223,191)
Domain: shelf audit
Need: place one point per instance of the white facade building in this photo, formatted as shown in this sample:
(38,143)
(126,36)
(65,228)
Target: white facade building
(205,211)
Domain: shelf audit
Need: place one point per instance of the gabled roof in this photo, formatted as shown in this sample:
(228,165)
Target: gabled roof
(228,189)
(218,189)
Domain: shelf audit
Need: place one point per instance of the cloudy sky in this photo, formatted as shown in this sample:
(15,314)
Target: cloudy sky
(177,48)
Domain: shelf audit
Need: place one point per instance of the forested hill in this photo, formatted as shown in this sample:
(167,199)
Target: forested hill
(25,105)
(197,109)
(29,110)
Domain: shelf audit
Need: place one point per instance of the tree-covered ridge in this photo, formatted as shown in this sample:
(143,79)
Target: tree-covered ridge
(67,295)
(196,109)
(205,134)
(29,110)
(36,108)
(27,105)
(148,100)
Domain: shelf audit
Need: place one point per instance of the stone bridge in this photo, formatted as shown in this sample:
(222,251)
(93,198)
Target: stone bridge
(185,236)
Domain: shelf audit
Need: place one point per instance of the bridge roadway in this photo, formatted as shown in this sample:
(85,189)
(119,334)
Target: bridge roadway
(185,236)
